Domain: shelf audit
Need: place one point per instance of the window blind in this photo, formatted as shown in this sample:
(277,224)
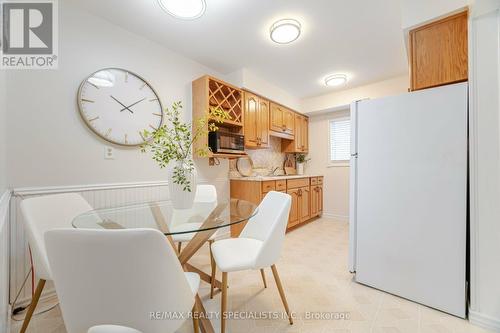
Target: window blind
(340,139)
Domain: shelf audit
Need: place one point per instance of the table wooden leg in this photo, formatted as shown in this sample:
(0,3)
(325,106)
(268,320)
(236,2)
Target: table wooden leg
(263,277)
(213,266)
(203,276)
(205,324)
(196,323)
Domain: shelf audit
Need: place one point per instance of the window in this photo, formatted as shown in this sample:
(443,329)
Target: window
(340,141)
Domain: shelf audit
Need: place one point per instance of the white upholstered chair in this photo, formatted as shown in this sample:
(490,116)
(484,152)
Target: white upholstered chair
(119,277)
(112,329)
(258,246)
(205,201)
(41,214)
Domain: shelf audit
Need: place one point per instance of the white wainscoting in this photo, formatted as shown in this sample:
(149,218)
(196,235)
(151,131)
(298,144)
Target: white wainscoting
(98,196)
(4,260)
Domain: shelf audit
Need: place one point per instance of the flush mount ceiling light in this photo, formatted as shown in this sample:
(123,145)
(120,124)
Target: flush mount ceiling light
(335,80)
(184,9)
(285,31)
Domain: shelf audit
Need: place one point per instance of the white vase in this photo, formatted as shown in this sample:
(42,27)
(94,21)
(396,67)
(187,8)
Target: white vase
(181,199)
(300,168)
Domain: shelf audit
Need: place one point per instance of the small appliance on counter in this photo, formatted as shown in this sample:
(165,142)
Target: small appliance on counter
(226,142)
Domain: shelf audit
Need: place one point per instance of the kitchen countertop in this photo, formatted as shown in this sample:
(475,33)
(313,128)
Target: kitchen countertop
(264,178)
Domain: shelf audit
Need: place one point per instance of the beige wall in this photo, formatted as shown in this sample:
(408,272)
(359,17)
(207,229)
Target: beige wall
(485,169)
(414,13)
(3,134)
(53,146)
(247,79)
(393,86)
(336,181)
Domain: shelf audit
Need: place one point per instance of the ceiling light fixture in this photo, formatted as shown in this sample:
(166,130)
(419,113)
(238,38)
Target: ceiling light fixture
(184,9)
(335,80)
(285,31)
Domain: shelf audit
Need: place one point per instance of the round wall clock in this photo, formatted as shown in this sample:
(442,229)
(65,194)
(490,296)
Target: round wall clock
(119,105)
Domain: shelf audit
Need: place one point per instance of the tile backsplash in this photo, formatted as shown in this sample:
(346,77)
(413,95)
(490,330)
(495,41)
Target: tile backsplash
(269,158)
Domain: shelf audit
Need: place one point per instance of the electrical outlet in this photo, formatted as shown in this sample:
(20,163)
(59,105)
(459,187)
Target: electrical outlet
(109,153)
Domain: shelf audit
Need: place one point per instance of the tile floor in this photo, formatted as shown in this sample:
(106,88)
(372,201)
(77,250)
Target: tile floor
(313,269)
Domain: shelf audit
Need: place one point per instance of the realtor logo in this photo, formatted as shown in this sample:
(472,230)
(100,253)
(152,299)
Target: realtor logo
(29,34)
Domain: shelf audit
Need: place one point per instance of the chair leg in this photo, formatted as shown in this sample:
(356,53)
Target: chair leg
(263,277)
(214,268)
(282,293)
(34,302)
(196,321)
(223,303)
(179,247)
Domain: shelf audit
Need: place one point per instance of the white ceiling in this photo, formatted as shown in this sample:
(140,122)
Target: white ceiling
(362,38)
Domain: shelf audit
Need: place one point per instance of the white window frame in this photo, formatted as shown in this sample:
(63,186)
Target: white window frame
(339,163)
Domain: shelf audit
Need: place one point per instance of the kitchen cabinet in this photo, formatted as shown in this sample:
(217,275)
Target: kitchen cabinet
(304,203)
(438,52)
(256,115)
(300,143)
(307,203)
(294,217)
(316,196)
(209,93)
(282,121)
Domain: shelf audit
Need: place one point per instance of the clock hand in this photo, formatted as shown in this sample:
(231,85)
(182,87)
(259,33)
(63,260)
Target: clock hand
(126,108)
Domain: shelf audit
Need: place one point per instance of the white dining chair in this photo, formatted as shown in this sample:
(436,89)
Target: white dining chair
(129,277)
(41,214)
(258,246)
(112,329)
(205,201)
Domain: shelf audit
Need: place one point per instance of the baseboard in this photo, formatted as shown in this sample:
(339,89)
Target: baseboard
(484,321)
(25,301)
(340,218)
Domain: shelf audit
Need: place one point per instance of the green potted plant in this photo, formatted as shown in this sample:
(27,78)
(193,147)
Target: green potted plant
(301,160)
(171,146)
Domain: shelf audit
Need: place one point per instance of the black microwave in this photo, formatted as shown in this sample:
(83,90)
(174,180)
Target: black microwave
(226,142)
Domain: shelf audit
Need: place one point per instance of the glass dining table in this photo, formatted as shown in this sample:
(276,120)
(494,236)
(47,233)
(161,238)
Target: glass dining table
(195,226)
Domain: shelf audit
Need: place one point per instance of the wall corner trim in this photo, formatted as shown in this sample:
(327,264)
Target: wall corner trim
(4,205)
(485,321)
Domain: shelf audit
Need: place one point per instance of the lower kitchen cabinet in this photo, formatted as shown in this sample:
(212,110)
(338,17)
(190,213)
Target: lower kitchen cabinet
(306,193)
(316,200)
(294,218)
(304,199)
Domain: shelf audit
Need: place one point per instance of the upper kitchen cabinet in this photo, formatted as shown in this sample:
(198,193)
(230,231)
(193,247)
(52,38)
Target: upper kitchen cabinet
(300,142)
(282,122)
(256,113)
(209,93)
(438,52)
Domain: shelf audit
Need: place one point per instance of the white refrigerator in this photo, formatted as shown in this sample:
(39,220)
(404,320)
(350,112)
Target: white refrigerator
(408,196)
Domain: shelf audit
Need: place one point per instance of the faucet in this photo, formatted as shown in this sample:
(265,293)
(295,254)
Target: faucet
(272,173)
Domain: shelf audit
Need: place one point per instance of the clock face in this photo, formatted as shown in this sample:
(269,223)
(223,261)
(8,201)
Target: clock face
(119,105)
